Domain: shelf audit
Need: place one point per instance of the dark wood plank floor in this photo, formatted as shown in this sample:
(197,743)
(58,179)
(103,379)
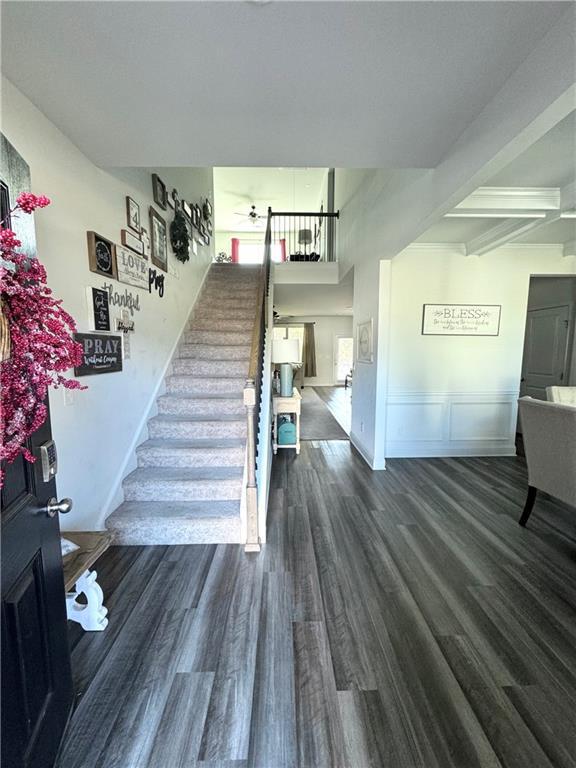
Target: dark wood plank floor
(398,619)
(339,401)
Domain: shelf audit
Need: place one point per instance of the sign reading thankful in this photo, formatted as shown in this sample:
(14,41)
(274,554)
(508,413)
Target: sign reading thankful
(101,353)
(461,320)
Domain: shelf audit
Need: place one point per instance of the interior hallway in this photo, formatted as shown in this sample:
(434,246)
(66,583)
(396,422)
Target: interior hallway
(397,618)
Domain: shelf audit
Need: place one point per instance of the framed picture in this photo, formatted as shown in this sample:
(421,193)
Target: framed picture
(205,238)
(131,241)
(171,199)
(364,342)
(101,353)
(196,216)
(144,236)
(159,191)
(186,209)
(101,255)
(209,227)
(98,302)
(461,319)
(158,241)
(207,210)
(133,215)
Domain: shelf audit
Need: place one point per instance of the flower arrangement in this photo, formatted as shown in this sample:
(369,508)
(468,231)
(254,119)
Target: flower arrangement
(40,346)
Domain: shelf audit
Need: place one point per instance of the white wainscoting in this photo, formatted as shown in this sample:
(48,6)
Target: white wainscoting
(451,424)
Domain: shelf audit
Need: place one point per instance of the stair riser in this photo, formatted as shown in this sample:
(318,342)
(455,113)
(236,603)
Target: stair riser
(182,490)
(192,430)
(242,338)
(187,385)
(196,457)
(232,303)
(165,533)
(221,324)
(202,406)
(214,352)
(232,297)
(215,313)
(210,367)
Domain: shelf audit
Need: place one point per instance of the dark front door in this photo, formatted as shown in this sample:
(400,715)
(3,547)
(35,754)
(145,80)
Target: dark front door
(36,678)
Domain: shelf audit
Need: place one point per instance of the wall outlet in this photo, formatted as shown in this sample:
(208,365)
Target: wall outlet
(361,426)
(68,396)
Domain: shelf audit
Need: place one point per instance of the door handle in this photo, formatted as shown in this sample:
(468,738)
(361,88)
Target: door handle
(63,506)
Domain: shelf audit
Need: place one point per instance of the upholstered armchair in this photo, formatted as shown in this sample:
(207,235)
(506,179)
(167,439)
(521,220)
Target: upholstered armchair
(566,395)
(549,433)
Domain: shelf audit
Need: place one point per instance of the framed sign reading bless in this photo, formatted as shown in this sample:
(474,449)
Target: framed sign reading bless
(101,353)
(461,319)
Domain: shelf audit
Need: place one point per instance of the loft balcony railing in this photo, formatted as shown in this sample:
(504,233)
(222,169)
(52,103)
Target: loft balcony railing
(303,236)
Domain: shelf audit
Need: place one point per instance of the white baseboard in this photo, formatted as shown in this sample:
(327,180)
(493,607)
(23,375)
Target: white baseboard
(366,455)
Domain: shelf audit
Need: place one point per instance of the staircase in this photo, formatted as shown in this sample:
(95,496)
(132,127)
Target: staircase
(189,480)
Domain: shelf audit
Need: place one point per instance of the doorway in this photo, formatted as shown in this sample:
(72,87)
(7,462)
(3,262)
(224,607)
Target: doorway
(549,357)
(343,358)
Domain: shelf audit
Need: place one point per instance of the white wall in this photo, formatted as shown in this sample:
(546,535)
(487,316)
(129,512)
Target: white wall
(449,395)
(95,435)
(326,331)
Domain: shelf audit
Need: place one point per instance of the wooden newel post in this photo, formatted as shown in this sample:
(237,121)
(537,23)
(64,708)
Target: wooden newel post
(252,537)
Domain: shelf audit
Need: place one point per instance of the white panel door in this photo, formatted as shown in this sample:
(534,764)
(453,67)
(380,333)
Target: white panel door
(545,350)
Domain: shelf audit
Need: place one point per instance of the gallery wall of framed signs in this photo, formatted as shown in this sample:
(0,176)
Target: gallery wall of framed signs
(141,259)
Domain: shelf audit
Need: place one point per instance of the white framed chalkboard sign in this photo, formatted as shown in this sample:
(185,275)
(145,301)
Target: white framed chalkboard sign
(461,319)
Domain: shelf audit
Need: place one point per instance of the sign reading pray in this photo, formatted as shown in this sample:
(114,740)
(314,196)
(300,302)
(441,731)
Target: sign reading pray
(101,353)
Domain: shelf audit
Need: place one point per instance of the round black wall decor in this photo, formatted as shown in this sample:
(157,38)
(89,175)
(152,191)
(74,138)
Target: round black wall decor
(180,237)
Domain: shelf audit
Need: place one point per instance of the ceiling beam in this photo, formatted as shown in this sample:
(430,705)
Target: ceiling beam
(495,213)
(506,232)
(504,198)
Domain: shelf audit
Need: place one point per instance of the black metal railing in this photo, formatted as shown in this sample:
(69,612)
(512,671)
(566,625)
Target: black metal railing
(296,236)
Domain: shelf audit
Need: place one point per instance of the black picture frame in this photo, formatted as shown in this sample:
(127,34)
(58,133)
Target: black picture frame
(101,353)
(158,240)
(207,210)
(186,209)
(159,192)
(100,309)
(133,215)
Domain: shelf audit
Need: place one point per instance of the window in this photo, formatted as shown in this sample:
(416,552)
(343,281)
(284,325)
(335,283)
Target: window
(290,332)
(252,251)
(344,357)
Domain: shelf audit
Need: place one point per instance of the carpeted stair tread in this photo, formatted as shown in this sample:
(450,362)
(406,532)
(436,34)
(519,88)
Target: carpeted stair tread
(188,483)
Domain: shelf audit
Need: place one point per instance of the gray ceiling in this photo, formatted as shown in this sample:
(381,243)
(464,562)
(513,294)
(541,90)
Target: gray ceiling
(373,84)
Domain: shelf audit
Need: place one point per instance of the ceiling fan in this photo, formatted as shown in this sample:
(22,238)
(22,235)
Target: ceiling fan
(253,217)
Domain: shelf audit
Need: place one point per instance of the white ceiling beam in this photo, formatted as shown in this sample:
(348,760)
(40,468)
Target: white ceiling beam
(495,213)
(504,233)
(504,198)
(568,198)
